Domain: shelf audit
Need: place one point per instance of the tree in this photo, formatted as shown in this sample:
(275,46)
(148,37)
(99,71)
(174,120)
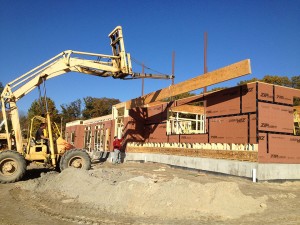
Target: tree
(247,81)
(177,97)
(24,122)
(277,80)
(217,89)
(95,107)
(38,110)
(71,111)
(295,82)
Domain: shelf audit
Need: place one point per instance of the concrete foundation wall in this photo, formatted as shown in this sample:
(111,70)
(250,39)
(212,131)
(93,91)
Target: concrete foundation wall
(277,171)
(230,167)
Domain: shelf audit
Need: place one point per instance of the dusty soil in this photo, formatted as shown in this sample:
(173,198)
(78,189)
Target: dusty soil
(145,193)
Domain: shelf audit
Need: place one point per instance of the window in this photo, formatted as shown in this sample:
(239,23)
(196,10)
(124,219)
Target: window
(99,138)
(87,138)
(118,115)
(72,137)
(186,119)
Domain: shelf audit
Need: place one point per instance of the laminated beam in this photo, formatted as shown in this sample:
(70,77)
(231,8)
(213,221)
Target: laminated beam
(188,109)
(217,76)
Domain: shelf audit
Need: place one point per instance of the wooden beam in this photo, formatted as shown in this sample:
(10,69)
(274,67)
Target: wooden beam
(217,76)
(188,109)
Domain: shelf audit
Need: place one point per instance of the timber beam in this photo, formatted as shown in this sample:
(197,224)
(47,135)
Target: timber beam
(235,70)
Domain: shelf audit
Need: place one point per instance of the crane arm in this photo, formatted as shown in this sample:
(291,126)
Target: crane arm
(117,66)
(61,64)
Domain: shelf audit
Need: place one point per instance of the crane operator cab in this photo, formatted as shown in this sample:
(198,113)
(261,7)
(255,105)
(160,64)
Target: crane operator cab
(37,147)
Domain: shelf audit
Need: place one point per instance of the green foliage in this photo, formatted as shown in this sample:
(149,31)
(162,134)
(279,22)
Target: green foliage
(293,82)
(24,122)
(95,107)
(277,80)
(72,111)
(177,97)
(296,101)
(248,81)
(39,110)
(217,89)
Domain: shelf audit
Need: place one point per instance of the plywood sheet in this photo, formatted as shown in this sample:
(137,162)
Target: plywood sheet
(156,133)
(233,129)
(281,149)
(248,94)
(275,118)
(224,102)
(252,129)
(194,138)
(173,138)
(284,148)
(285,95)
(264,92)
(263,154)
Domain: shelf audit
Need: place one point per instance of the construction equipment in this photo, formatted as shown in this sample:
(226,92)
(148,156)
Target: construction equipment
(57,153)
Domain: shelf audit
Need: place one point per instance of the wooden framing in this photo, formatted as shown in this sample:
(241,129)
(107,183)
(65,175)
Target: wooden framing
(226,73)
(192,109)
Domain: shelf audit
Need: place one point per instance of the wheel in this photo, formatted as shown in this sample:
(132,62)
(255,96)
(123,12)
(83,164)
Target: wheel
(75,158)
(12,166)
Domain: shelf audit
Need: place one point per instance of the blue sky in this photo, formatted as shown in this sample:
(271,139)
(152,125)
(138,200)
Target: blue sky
(31,32)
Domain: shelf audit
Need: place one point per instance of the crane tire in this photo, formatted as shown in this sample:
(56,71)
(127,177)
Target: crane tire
(12,166)
(75,158)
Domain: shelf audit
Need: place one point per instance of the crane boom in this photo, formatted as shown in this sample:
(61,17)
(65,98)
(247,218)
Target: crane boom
(117,66)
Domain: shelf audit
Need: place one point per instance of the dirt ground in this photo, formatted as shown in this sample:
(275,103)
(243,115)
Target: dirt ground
(145,193)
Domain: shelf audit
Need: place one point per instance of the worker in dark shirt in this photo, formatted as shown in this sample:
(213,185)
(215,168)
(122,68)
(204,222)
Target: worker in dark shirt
(40,136)
(117,144)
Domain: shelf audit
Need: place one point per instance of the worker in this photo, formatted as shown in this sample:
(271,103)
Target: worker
(117,144)
(40,136)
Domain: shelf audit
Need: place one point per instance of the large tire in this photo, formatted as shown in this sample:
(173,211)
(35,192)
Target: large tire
(12,166)
(75,158)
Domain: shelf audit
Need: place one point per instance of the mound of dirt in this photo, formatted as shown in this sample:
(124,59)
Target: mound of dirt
(118,191)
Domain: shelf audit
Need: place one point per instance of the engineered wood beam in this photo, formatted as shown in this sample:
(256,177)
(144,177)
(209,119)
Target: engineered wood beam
(217,76)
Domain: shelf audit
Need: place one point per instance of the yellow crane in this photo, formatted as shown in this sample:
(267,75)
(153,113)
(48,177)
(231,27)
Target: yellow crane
(13,161)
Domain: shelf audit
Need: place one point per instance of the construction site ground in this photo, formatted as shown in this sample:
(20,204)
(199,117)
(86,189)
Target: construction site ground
(145,193)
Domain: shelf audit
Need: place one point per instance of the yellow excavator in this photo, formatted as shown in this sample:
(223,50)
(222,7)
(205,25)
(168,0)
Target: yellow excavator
(57,153)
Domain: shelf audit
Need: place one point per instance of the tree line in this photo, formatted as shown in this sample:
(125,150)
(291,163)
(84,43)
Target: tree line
(91,108)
